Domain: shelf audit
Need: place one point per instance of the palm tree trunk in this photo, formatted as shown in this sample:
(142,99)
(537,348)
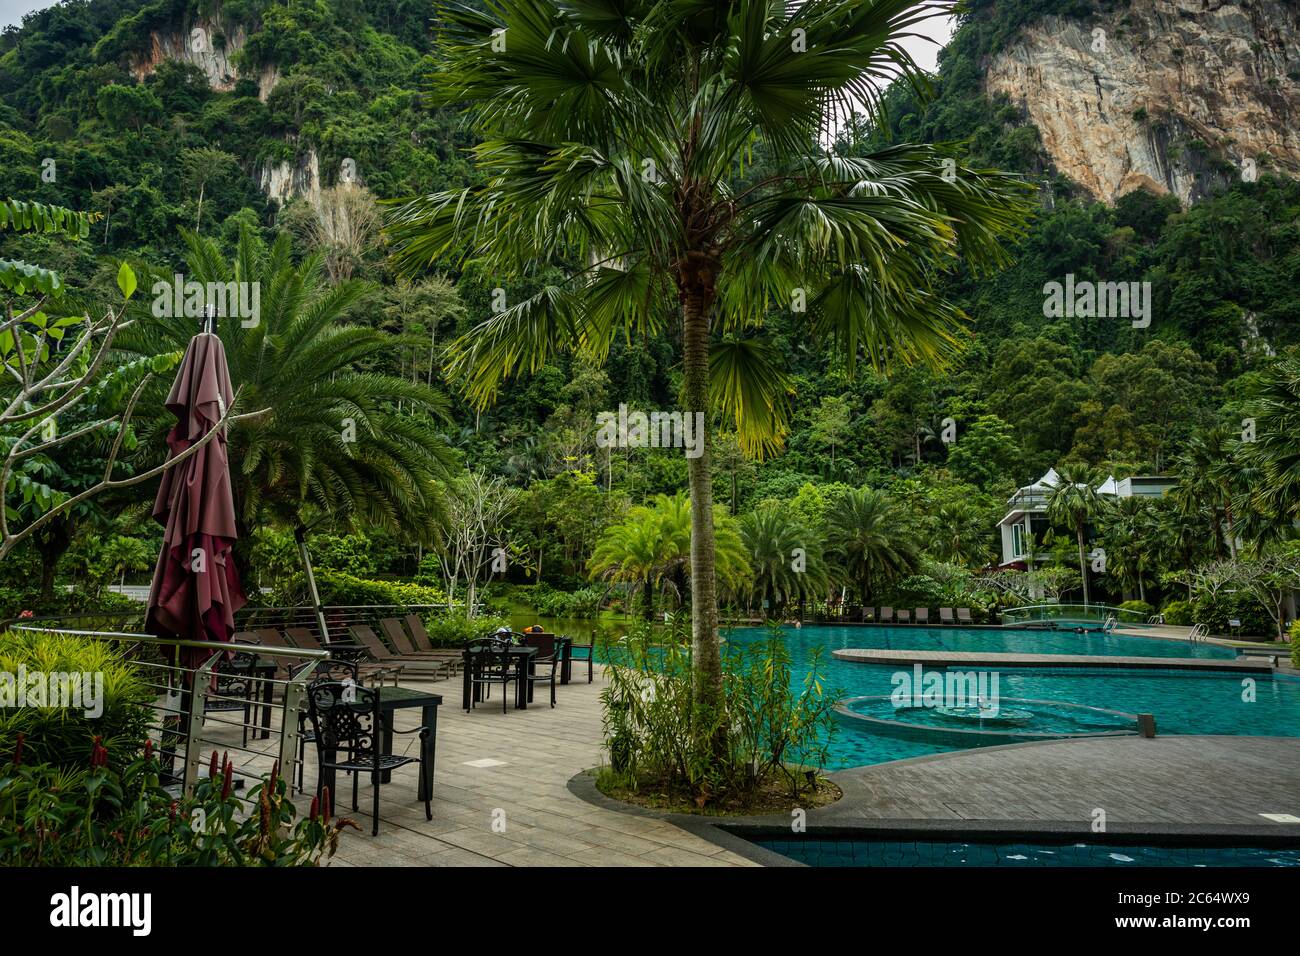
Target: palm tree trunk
(1083,565)
(705,652)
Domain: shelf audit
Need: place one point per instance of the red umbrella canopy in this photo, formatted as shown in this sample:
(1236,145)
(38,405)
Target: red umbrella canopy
(196,589)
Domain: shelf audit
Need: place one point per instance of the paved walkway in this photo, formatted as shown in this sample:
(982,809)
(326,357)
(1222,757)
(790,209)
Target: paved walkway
(500,795)
(868,655)
(1194,782)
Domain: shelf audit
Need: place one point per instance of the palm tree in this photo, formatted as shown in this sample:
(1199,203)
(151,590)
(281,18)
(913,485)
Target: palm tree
(1274,455)
(332,447)
(784,556)
(1128,526)
(1206,483)
(1072,503)
(961,533)
(650,550)
(618,142)
(871,538)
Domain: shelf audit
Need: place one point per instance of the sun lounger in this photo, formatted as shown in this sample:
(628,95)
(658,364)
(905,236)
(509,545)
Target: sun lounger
(922,615)
(963,616)
(904,616)
(945,616)
(304,638)
(423,666)
(425,644)
(886,615)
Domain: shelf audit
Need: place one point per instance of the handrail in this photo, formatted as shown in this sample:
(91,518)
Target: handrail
(297,653)
(181,701)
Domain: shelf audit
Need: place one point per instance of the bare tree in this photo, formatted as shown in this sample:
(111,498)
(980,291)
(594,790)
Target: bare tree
(473,532)
(344,228)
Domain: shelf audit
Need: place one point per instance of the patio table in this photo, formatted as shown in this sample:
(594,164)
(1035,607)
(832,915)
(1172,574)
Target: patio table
(522,657)
(392,699)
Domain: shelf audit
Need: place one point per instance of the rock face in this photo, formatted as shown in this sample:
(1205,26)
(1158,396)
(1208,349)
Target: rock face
(284,181)
(1172,95)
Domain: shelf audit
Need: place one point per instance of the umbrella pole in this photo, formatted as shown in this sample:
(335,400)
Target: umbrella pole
(300,536)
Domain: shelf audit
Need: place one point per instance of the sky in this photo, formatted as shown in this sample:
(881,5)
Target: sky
(12,12)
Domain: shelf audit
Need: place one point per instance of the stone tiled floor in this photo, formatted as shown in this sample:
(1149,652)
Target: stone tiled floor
(517,811)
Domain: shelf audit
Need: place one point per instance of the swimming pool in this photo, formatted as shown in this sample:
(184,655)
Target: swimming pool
(927,853)
(1183,702)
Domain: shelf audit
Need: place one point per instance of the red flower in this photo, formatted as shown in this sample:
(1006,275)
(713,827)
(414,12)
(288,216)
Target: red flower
(25,614)
(229,781)
(275,777)
(325,805)
(148,749)
(98,755)
(18,748)
(212,767)
(315,808)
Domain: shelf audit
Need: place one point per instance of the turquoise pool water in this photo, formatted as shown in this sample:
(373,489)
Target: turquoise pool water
(1183,702)
(1003,641)
(853,852)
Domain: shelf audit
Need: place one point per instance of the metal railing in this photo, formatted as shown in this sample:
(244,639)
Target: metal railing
(1071,614)
(192,704)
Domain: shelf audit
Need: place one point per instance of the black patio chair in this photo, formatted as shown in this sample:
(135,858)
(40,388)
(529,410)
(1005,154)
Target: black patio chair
(349,729)
(546,658)
(493,664)
(329,670)
(233,688)
(589,654)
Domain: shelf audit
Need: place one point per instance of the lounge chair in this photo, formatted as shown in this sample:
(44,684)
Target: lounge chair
(963,616)
(922,615)
(303,637)
(422,666)
(424,643)
(904,616)
(886,615)
(945,616)
(406,647)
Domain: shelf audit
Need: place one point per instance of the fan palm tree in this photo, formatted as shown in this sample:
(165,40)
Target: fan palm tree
(784,556)
(871,537)
(1206,483)
(332,447)
(650,550)
(1072,503)
(1128,526)
(1274,455)
(618,142)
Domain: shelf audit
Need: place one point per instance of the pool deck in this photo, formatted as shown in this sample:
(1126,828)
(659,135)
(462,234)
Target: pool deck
(869,655)
(1190,784)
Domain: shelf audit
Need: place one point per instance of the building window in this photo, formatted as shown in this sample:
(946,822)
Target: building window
(1018,540)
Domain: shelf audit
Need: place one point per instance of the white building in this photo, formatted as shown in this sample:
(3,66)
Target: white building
(1027,512)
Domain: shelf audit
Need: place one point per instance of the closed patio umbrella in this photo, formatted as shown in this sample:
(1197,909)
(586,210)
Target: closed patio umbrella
(196,589)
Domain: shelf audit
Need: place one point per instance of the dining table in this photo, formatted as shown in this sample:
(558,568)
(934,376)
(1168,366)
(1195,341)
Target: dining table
(523,658)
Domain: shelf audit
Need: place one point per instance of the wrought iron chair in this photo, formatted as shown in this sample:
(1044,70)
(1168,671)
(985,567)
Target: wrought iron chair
(493,664)
(332,670)
(233,690)
(589,654)
(546,658)
(350,728)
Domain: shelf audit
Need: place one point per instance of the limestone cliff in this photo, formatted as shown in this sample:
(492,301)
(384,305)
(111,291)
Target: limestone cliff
(1173,95)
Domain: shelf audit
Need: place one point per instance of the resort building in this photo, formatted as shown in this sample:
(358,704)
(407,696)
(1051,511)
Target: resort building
(1023,526)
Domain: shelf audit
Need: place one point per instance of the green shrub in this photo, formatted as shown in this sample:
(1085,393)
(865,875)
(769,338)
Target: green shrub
(97,815)
(65,736)
(453,630)
(1178,613)
(1294,633)
(342,589)
(548,602)
(773,727)
(1141,608)
(1215,613)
